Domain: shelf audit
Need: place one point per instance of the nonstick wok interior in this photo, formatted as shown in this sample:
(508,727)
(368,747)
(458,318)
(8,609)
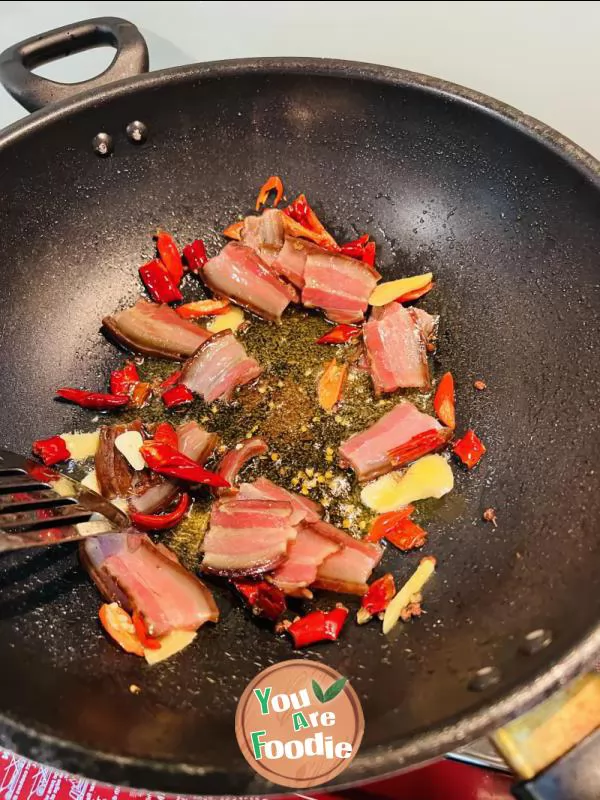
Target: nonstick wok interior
(510,228)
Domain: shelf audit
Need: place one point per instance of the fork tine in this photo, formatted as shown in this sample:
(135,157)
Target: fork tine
(39,506)
(46,536)
(44,517)
(21,501)
(10,483)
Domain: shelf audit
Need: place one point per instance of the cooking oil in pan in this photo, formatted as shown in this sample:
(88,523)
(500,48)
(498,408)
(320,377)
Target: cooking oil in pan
(281,407)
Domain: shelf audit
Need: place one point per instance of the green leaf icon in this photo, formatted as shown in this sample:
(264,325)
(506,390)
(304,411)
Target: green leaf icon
(318,692)
(335,688)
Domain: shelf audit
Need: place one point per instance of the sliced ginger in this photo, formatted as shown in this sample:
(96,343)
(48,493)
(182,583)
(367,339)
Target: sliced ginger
(231,319)
(430,476)
(391,290)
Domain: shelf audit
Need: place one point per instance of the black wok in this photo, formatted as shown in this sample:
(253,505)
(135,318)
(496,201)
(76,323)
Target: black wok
(504,211)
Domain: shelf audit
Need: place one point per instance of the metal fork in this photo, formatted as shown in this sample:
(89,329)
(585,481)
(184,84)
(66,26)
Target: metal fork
(40,507)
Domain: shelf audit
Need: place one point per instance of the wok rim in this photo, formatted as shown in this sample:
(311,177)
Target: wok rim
(420,747)
(377,73)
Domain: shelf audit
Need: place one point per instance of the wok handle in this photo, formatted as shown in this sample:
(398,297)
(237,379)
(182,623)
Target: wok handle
(34,92)
(575,777)
(555,747)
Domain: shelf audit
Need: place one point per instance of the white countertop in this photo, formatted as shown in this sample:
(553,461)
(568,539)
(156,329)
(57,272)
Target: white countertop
(542,57)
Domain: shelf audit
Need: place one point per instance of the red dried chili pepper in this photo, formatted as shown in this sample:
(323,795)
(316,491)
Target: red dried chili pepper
(141,394)
(169,255)
(419,445)
(301,212)
(369,254)
(272,184)
(166,460)
(356,248)
(51,450)
(489,515)
(264,599)
(119,626)
(203,308)
(331,385)
(234,231)
(363,250)
(415,294)
(161,522)
(340,334)
(98,400)
(195,255)
(469,449)
(443,402)
(142,634)
(377,598)
(170,380)
(121,380)
(298,210)
(385,523)
(407,535)
(318,626)
(159,283)
(166,434)
(379,594)
(177,396)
